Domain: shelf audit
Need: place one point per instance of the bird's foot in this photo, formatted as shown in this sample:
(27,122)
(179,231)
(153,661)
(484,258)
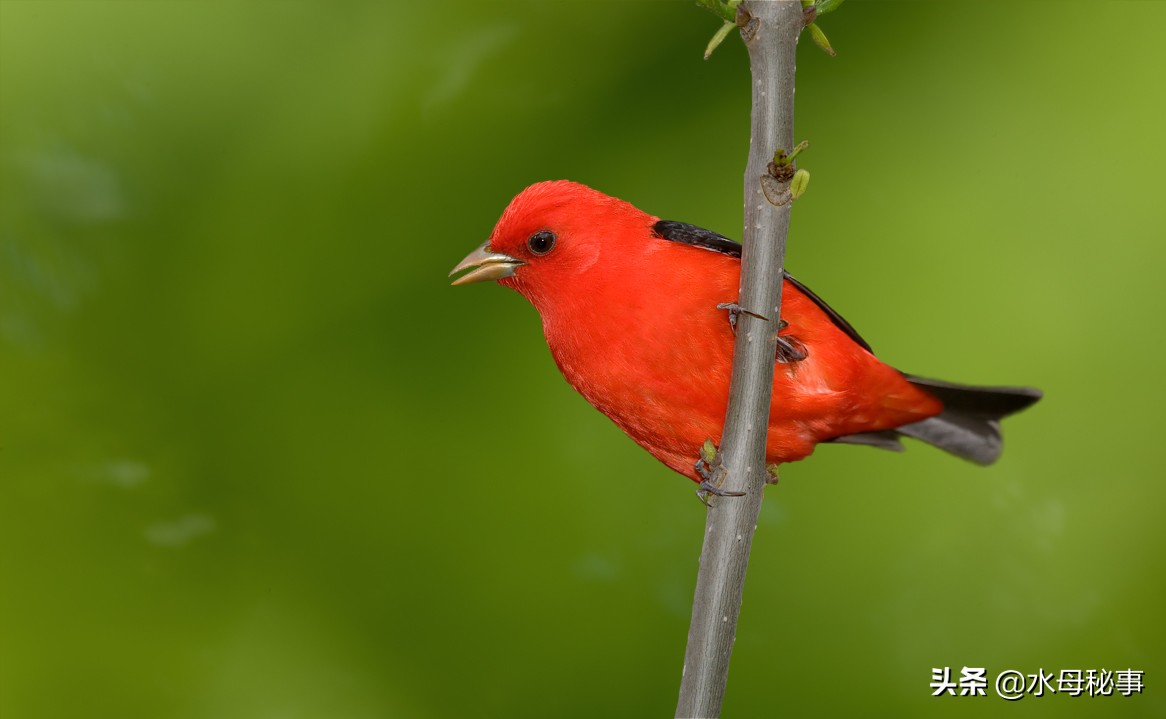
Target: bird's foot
(789,348)
(707,460)
(735,309)
(707,488)
(704,467)
(771,470)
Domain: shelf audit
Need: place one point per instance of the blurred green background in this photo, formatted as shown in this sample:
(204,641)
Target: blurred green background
(258,459)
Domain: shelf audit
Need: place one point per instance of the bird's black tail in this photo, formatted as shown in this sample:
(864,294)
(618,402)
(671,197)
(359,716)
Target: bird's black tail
(968,426)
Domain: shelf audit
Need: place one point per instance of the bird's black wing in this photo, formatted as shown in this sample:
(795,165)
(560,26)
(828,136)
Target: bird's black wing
(687,234)
(697,237)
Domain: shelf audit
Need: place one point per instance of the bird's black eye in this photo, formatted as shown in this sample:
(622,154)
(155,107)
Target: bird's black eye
(541,242)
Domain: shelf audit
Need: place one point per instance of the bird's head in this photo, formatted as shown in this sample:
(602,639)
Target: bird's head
(551,238)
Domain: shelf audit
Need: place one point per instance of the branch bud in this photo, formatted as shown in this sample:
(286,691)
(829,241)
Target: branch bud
(719,37)
(708,452)
(825,6)
(798,185)
(819,39)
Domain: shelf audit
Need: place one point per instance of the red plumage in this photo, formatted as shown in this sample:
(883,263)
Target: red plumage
(631,320)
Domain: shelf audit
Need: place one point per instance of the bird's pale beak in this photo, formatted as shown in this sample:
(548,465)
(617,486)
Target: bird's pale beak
(487,266)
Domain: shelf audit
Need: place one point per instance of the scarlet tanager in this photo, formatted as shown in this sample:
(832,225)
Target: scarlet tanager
(629,306)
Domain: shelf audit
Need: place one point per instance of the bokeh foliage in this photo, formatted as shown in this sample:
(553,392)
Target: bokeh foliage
(257,459)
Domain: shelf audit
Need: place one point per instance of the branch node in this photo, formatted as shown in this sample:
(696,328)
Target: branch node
(747,23)
(782,166)
(776,191)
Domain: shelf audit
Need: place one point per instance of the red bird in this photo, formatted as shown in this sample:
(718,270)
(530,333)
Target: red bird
(629,305)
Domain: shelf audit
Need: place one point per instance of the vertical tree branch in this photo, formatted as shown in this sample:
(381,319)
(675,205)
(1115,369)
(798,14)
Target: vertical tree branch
(770,31)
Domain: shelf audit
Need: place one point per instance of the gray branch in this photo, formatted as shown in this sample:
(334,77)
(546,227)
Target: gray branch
(771,34)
